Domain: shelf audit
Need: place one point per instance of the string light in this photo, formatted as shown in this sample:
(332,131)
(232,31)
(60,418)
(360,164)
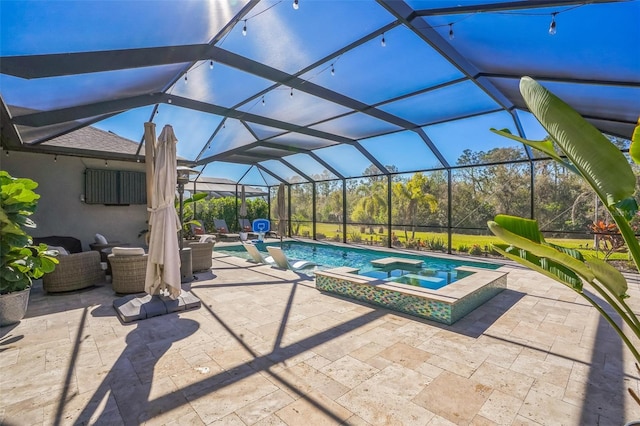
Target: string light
(333,70)
(7,153)
(244,29)
(186,79)
(106,163)
(552,27)
(55,158)
(170,101)
(295,4)
(291,93)
(263,101)
(451,35)
(211,64)
(137,160)
(383,42)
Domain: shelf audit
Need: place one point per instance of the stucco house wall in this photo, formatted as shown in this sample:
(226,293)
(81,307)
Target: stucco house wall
(61,210)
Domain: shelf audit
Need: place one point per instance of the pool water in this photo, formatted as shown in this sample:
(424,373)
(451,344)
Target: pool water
(434,273)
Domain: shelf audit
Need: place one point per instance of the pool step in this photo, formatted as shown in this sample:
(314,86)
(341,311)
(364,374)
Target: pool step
(423,278)
(389,261)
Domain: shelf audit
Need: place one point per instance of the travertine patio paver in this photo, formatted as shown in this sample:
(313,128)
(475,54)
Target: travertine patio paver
(267,348)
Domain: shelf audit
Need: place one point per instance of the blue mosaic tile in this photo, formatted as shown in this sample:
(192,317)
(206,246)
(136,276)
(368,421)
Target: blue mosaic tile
(413,305)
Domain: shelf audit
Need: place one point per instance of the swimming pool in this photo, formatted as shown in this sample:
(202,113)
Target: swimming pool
(435,288)
(433,273)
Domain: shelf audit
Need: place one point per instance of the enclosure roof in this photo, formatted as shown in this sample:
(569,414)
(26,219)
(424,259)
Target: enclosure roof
(262,92)
(218,187)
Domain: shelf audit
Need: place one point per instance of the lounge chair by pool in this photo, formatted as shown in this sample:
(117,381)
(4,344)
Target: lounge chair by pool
(222,230)
(256,255)
(283,262)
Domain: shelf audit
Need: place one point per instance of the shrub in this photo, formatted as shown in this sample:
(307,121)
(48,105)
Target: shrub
(476,250)
(463,248)
(436,244)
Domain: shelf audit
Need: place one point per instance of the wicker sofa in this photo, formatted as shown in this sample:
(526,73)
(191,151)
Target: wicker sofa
(74,271)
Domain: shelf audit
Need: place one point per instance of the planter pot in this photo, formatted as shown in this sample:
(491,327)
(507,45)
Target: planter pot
(13,307)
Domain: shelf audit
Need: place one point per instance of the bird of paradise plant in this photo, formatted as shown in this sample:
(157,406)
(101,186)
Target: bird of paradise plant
(581,148)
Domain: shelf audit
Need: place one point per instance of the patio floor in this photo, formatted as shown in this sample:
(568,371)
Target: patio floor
(267,348)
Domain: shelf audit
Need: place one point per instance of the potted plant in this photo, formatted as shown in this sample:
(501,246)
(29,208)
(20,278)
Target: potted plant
(20,260)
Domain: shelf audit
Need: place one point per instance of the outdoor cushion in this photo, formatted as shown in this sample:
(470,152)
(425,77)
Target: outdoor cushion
(207,239)
(100,239)
(61,250)
(127,251)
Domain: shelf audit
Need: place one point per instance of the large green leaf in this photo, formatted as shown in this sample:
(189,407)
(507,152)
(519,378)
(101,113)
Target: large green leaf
(526,228)
(609,276)
(542,250)
(601,163)
(545,266)
(634,149)
(545,146)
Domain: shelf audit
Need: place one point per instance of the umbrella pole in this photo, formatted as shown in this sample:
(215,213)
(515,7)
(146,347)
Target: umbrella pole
(149,155)
(181,193)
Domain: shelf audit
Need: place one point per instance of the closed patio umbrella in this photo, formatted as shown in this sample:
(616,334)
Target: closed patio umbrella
(163,266)
(243,203)
(282,212)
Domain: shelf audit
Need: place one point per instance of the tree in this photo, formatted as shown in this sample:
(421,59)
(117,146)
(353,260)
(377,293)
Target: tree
(414,199)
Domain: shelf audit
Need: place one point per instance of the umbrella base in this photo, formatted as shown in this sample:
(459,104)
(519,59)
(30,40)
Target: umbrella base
(134,308)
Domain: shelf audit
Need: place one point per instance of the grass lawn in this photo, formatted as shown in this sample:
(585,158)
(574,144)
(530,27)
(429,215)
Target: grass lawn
(459,242)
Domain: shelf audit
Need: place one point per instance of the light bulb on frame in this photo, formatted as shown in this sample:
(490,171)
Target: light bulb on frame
(211,64)
(451,35)
(186,79)
(383,42)
(291,93)
(263,101)
(170,101)
(333,70)
(295,4)
(552,26)
(244,28)
(55,158)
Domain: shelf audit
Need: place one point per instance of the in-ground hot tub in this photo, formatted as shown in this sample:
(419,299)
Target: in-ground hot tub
(446,304)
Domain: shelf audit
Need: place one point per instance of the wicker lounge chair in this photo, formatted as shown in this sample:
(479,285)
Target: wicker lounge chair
(74,272)
(128,269)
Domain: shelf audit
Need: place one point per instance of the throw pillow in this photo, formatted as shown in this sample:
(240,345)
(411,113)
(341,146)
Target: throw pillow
(61,250)
(100,239)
